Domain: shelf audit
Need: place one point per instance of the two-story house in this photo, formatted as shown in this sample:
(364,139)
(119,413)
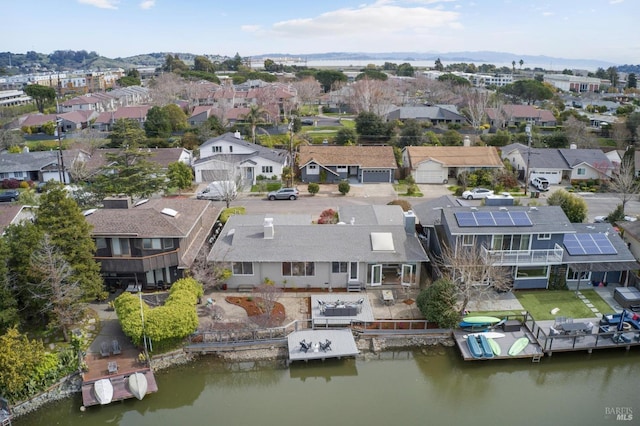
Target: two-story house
(230,158)
(152,242)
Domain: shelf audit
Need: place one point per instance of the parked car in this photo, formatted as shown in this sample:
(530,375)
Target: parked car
(477,193)
(9,195)
(284,194)
(307,122)
(540,183)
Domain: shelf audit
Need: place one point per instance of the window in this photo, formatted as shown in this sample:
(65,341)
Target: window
(582,171)
(312,166)
(216,149)
(298,269)
(167,243)
(242,268)
(151,243)
(18,174)
(338,267)
(120,246)
(267,169)
(544,236)
(578,275)
(341,168)
(4,175)
(532,272)
(101,243)
(230,149)
(467,240)
(511,242)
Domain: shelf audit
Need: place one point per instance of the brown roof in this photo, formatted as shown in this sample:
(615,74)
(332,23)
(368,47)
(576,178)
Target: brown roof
(363,156)
(455,156)
(8,212)
(515,111)
(161,156)
(38,119)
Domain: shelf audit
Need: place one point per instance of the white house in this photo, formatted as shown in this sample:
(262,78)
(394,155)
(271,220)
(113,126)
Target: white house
(229,156)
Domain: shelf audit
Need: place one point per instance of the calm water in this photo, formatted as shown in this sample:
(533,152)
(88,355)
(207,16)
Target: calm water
(394,388)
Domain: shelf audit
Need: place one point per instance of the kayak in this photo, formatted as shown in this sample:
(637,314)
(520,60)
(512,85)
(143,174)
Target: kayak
(480,320)
(495,346)
(486,347)
(518,346)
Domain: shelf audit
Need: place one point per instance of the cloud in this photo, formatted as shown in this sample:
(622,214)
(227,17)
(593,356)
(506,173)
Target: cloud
(147,4)
(615,1)
(383,19)
(250,28)
(102,4)
(548,13)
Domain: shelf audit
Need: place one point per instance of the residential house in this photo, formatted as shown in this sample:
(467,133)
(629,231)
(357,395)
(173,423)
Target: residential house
(150,243)
(106,120)
(229,157)
(14,98)
(437,114)
(536,246)
(436,164)
(76,120)
(558,164)
(330,164)
(14,214)
(512,115)
(376,246)
(40,166)
(160,156)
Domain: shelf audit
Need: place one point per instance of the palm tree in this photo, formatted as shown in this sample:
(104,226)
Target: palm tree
(513,64)
(254,117)
(521,63)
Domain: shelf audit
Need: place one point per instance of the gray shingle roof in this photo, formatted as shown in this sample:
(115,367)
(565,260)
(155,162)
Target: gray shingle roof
(275,155)
(27,161)
(623,254)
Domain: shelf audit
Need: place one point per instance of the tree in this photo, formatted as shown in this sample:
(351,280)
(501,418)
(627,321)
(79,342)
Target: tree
(438,304)
(176,117)
(308,90)
(513,65)
(180,175)
(572,205)
(372,74)
(412,134)
(344,187)
(131,79)
(438,65)
(346,136)
(577,132)
(477,101)
(61,295)
(633,124)
(126,132)
(129,172)
(9,315)
(267,295)
(41,95)
(624,182)
(10,138)
(529,91)
(372,95)
(521,62)
(202,63)
(157,124)
(174,64)
(632,81)
(454,80)
(20,357)
(612,74)
(60,217)
(255,116)
(451,138)
(327,78)
(405,70)
(370,126)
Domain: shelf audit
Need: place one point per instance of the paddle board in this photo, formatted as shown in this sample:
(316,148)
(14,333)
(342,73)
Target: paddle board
(103,390)
(480,320)
(488,335)
(137,383)
(518,346)
(495,346)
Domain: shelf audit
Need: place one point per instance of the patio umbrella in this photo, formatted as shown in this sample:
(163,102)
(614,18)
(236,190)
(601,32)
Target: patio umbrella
(621,323)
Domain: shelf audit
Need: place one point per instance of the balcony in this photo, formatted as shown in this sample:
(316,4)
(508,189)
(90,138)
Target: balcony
(523,257)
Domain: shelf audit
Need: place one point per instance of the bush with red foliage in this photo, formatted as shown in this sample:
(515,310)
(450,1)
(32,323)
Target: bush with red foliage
(328,216)
(10,184)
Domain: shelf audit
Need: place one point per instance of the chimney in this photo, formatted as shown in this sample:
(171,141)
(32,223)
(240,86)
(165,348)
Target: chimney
(353,221)
(268,228)
(573,146)
(466,141)
(237,135)
(116,202)
(409,222)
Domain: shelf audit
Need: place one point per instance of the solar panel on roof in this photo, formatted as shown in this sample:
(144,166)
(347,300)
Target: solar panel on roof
(588,244)
(521,219)
(484,219)
(465,219)
(502,219)
(492,218)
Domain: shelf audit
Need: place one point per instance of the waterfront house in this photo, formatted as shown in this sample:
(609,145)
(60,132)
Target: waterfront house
(535,246)
(330,164)
(372,246)
(150,243)
(436,164)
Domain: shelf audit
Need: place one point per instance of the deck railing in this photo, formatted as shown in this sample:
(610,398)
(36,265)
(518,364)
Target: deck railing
(523,257)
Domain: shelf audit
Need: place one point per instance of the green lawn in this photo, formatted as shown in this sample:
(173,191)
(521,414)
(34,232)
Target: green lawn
(540,303)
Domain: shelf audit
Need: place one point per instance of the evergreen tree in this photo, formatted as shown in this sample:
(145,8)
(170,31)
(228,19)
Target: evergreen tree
(60,217)
(126,132)
(157,124)
(180,175)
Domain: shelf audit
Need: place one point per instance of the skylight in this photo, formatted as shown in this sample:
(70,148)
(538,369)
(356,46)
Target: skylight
(382,241)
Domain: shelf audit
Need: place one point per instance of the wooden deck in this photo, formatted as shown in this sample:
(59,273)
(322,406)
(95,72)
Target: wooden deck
(342,344)
(319,320)
(120,389)
(532,350)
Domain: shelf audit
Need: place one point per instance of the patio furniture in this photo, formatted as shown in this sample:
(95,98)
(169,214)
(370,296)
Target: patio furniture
(326,346)
(112,367)
(115,347)
(340,310)
(104,349)
(387,297)
(304,346)
(575,328)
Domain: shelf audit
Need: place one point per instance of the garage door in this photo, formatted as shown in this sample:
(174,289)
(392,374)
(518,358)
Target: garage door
(376,176)
(429,176)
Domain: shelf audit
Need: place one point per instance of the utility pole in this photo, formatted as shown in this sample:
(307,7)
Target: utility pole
(291,152)
(527,130)
(61,173)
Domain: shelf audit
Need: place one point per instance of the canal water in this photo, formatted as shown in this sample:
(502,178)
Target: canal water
(398,388)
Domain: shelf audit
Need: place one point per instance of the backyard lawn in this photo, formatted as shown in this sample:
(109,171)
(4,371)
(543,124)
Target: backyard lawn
(540,303)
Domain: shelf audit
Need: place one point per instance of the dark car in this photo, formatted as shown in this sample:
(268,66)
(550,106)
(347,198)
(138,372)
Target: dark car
(284,194)
(10,195)
(307,122)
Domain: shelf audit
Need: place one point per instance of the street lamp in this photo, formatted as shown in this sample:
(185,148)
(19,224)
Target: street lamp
(527,130)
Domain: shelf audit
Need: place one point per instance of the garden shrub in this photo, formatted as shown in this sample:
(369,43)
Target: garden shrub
(313,188)
(344,187)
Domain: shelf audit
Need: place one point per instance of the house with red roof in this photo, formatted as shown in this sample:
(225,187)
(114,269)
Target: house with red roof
(514,115)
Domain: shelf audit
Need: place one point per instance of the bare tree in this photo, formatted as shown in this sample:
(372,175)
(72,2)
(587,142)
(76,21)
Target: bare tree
(61,296)
(473,274)
(371,95)
(166,88)
(308,89)
(621,135)
(9,138)
(577,133)
(477,101)
(267,295)
(624,182)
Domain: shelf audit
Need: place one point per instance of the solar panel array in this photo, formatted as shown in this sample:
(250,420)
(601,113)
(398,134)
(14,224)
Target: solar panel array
(493,218)
(588,244)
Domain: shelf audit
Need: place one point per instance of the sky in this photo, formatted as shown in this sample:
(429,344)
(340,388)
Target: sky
(573,29)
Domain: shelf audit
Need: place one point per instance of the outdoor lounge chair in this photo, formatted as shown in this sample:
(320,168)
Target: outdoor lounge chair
(304,346)
(104,349)
(326,346)
(115,347)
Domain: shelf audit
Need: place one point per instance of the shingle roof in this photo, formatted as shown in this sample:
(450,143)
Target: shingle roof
(515,111)
(622,252)
(455,156)
(540,158)
(593,157)
(27,161)
(275,155)
(362,156)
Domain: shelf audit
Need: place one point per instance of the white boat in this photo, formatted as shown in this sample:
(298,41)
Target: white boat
(137,385)
(103,390)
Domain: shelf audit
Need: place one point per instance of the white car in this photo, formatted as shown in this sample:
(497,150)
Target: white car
(476,193)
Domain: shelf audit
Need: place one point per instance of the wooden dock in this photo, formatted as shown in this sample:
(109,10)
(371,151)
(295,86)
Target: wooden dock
(120,389)
(342,341)
(532,350)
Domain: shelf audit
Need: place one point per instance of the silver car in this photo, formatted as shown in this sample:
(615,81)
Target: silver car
(477,193)
(284,194)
